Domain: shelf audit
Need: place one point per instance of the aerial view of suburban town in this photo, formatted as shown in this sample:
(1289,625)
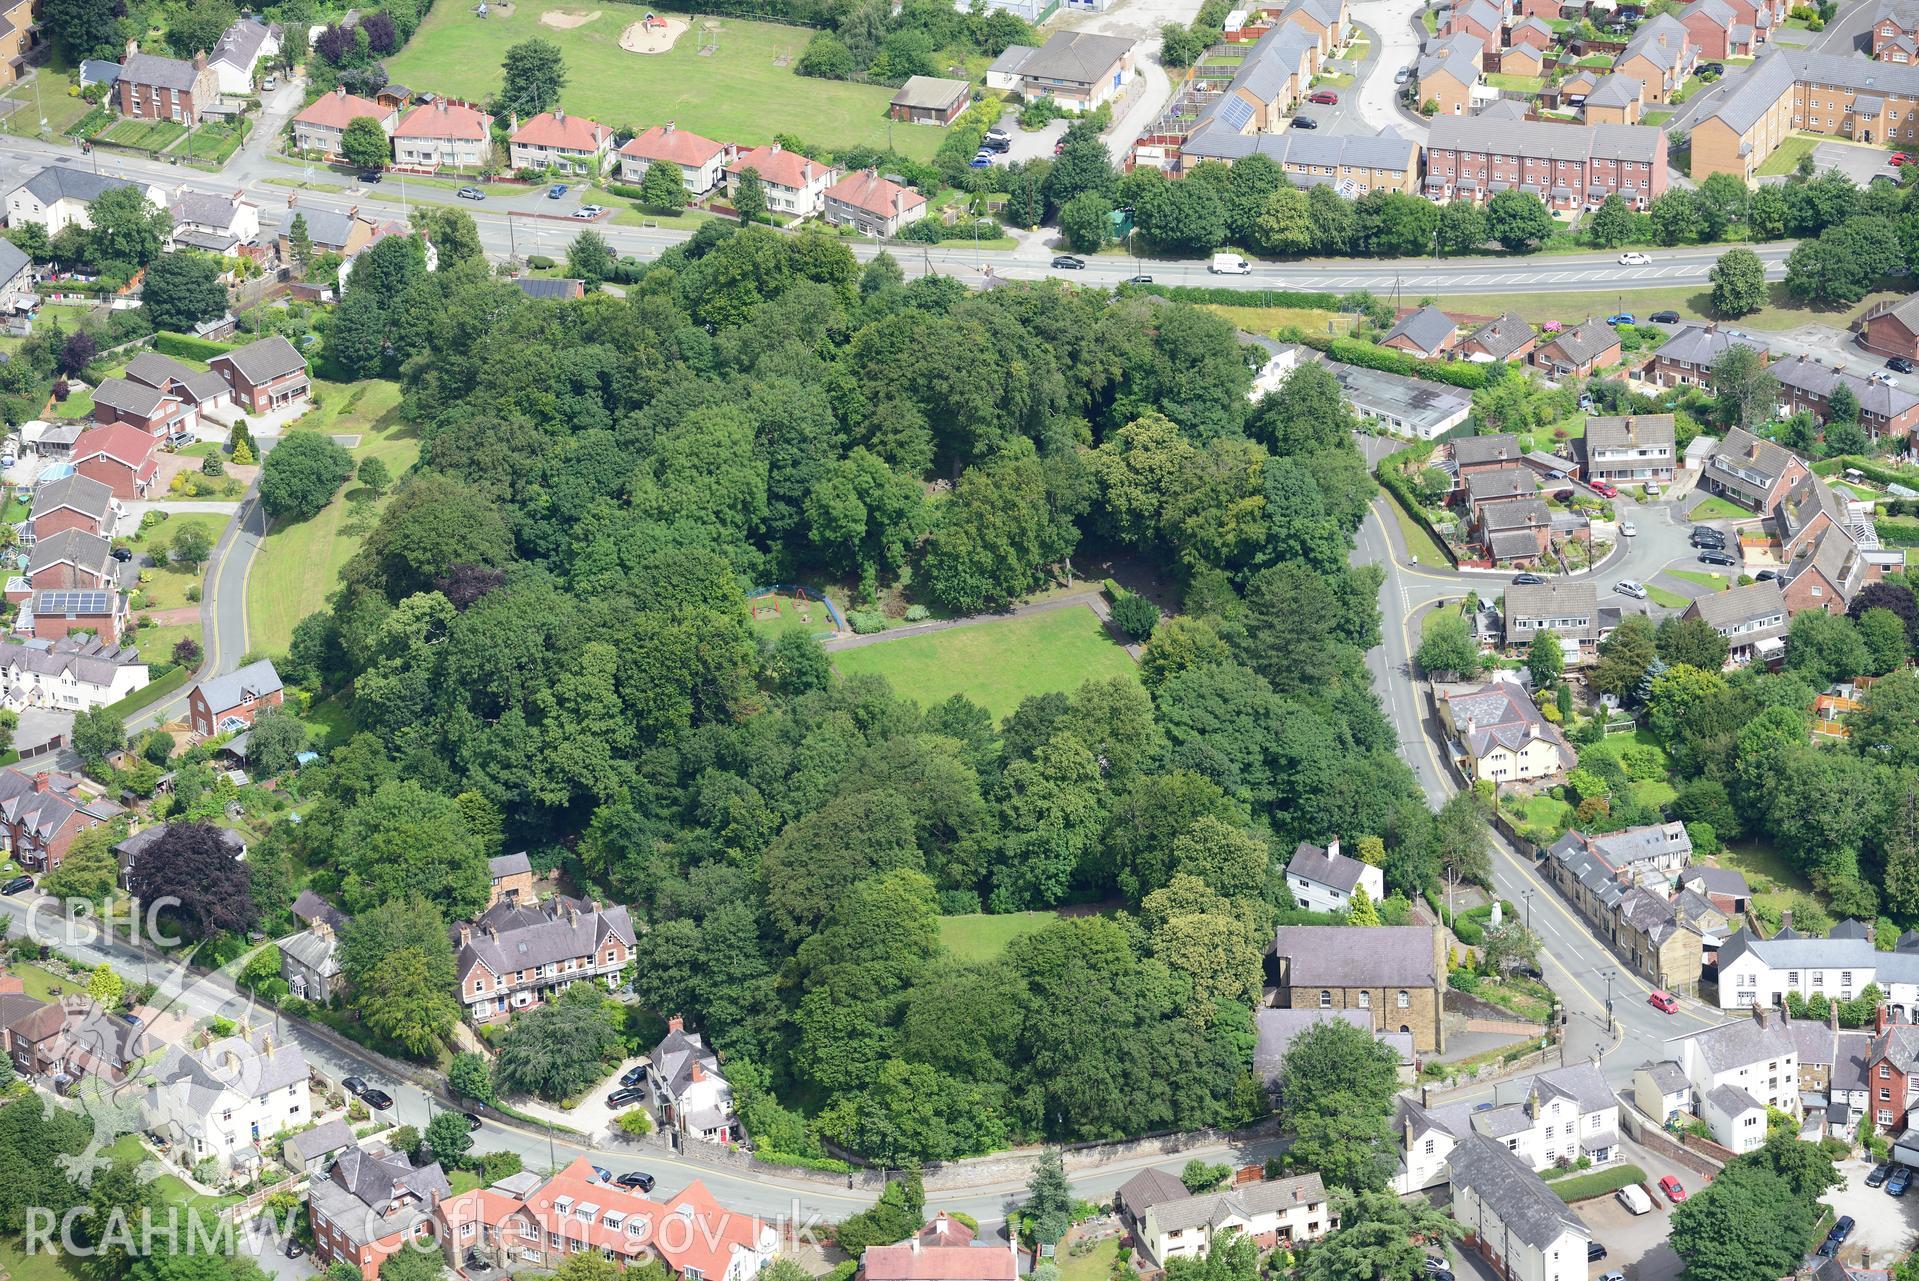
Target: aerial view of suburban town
(1368,731)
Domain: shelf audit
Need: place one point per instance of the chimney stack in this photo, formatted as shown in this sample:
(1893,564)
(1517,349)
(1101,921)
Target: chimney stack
(1332,848)
(676,1023)
(41,783)
(1832,1016)
(669,128)
(466,933)
(697,1072)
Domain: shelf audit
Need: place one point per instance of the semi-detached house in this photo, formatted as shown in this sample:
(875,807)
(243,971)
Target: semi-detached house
(701,161)
(70,674)
(154,88)
(1753,618)
(1752,472)
(794,185)
(1561,1115)
(1569,609)
(1079,70)
(1629,450)
(566,144)
(443,134)
(320,126)
(223,1101)
(1738,1070)
(1808,386)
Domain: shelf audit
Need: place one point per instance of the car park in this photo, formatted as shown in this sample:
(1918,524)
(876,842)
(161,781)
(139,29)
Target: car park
(1324,98)
(377,1099)
(1305,122)
(1713,556)
(997,134)
(557,190)
(1663,1001)
(1899,364)
(1621,318)
(470,193)
(17,885)
(1634,1198)
(636,1179)
(996,145)
(1664,318)
(1879,1174)
(1633,258)
(1674,1190)
(621,1097)
(1631,587)
(1066,262)
(354,1085)
(1528,579)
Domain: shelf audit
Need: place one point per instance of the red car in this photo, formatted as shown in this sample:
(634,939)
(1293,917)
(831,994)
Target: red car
(1664,1002)
(1675,1191)
(1898,158)
(1604,487)
(1325,98)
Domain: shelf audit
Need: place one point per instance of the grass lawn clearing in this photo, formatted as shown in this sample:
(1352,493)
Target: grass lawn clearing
(156,643)
(1692,302)
(1269,320)
(1517,84)
(1714,582)
(143,135)
(41,984)
(463,1181)
(454,53)
(1655,792)
(982,936)
(998,663)
(1665,596)
(1539,814)
(1786,159)
(1420,543)
(1094,1265)
(1524,997)
(1716,509)
(78,404)
(213,143)
(299,564)
(18,1265)
(637,217)
(779,612)
(168,581)
(49,98)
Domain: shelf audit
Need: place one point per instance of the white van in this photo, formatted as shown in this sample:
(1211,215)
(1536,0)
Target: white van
(1634,1198)
(1230,265)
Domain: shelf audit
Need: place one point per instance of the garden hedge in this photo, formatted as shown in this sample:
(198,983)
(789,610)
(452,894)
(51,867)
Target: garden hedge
(1868,468)
(1392,476)
(188,347)
(1238,297)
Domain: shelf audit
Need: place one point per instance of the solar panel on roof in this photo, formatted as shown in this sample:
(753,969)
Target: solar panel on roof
(74,602)
(1236,112)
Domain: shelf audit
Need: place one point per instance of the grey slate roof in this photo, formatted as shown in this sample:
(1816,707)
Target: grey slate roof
(1456,55)
(1471,450)
(1383,150)
(1643,844)
(1750,454)
(1648,913)
(1013,58)
(1554,598)
(548,286)
(1695,345)
(1587,341)
(151,369)
(129,397)
(1515,513)
(1905,310)
(81,493)
(255,680)
(1076,57)
(1819,380)
(1151,1187)
(1501,482)
(65,182)
(1616,90)
(328,1136)
(1737,605)
(253,1066)
(1850,929)
(366,1194)
(310,907)
(13,261)
(674,1057)
(71,547)
(92,661)
(135,845)
(1732,1100)
(515,936)
(1483,12)
(1741,1043)
(1277,1029)
(509,864)
(321,955)
(1178,1214)
(98,71)
(1580,1082)
(1429,329)
(205,210)
(1632,431)
(265,359)
(1764,83)
(1539,139)
(1716,880)
(1503,336)
(1668,1076)
(240,44)
(1500,714)
(161,73)
(1327,868)
(1358,955)
(1530,1210)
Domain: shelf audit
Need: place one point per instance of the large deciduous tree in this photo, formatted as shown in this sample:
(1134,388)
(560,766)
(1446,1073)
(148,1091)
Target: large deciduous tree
(532,75)
(1336,1088)
(195,866)
(182,289)
(1738,283)
(363,143)
(302,473)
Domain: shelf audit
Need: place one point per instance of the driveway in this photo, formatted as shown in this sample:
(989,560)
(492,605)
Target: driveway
(1857,161)
(1886,1226)
(1146,94)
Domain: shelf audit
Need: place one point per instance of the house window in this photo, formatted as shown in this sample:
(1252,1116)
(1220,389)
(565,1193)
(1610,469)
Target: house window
(1404,1000)
(1884,1071)
(1365,1000)
(1325,1000)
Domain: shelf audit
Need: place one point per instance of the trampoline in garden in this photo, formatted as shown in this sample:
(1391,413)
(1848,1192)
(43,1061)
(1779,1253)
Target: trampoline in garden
(785,606)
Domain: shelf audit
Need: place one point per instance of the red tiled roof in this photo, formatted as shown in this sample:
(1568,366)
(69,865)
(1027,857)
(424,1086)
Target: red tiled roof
(563,132)
(907,1262)
(443,119)
(705,1237)
(121,442)
(676,146)
(874,194)
(778,166)
(337,109)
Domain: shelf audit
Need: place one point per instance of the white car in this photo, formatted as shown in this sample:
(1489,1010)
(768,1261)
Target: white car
(1627,528)
(1880,376)
(1634,259)
(1631,587)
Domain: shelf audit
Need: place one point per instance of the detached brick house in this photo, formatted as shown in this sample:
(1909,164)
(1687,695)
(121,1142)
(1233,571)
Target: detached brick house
(40,814)
(1395,971)
(369,1205)
(1579,352)
(232,701)
(557,141)
(1510,337)
(155,88)
(119,456)
(1426,333)
(264,376)
(930,100)
(1752,472)
(72,502)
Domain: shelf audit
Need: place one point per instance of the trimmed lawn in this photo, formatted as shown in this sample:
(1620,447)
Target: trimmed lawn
(1716,582)
(792,615)
(156,643)
(1420,543)
(982,936)
(17,1264)
(213,143)
(146,135)
(1517,84)
(1786,159)
(463,1181)
(1270,320)
(1761,863)
(1614,744)
(299,564)
(1663,597)
(168,581)
(454,53)
(1540,812)
(1692,302)
(43,985)
(78,404)
(50,99)
(996,664)
(1716,509)
(1094,1265)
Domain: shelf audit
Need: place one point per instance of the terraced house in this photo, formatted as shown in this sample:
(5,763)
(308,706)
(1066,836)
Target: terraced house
(514,954)
(1686,358)
(1808,386)
(1568,166)
(1792,89)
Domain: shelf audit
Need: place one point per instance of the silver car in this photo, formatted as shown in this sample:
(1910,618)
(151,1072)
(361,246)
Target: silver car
(1631,587)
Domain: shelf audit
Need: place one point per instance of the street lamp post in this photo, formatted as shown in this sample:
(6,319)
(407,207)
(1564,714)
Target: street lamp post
(1609,1023)
(1526,896)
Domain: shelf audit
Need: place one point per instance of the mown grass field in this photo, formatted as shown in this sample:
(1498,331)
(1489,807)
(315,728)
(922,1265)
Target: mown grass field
(996,664)
(1692,302)
(166,587)
(299,563)
(726,95)
(981,936)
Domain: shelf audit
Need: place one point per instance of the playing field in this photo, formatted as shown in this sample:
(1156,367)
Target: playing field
(745,92)
(996,664)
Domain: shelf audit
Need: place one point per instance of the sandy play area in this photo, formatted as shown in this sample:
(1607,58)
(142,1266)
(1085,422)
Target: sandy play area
(566,20)
(652,35)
